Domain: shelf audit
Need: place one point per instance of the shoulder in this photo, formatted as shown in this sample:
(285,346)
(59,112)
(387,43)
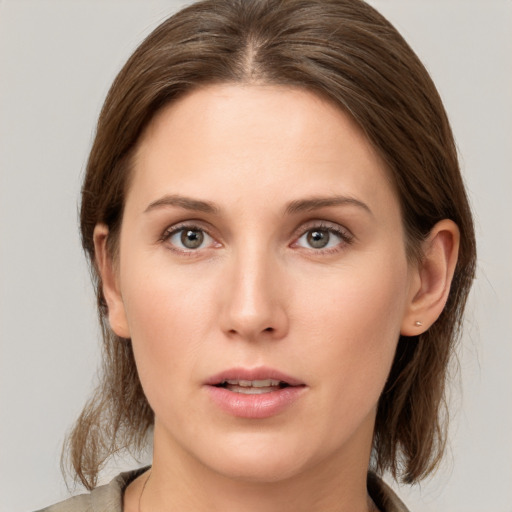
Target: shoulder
(383,496)
(105,498)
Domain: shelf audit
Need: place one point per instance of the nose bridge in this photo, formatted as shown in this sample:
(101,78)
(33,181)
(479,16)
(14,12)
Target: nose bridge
(253,305)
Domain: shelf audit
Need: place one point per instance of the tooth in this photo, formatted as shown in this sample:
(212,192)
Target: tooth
(250,390)
(236,382)
(266,383)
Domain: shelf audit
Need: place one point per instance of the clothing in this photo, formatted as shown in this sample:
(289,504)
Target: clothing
(383,496)
(109,498)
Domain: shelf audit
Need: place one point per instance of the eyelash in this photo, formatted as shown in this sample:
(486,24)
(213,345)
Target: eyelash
(345,236)
(173,230)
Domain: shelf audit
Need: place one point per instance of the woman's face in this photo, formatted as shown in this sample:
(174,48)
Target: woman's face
(263,280)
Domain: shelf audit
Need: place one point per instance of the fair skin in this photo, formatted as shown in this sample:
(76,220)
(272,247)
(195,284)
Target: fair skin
(294,262)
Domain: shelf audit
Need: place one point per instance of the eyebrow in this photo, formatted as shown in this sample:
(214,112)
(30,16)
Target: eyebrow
(187,203)
(315,203)
(300,205)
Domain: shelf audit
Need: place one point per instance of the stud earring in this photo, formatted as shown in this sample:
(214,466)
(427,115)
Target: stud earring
(418,323)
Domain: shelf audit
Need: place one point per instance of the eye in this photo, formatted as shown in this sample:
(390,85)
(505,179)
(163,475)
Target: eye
(322,238)
(189,238)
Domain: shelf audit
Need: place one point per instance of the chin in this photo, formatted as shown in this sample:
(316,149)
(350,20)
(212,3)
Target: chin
(259,459)
(259,469)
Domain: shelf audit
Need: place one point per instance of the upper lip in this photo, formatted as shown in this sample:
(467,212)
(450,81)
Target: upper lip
(259,373)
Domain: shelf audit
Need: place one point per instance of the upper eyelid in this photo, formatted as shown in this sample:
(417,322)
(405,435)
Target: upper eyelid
(187,224)
(323,224)
(177,227)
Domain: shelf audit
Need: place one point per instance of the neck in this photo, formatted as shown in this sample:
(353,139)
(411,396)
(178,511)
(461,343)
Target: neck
(181,482)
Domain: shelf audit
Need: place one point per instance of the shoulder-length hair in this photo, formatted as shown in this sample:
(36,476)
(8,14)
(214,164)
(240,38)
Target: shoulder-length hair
(342,50)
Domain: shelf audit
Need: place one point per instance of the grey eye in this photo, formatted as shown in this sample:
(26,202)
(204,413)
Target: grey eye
(319,238)
(190,238)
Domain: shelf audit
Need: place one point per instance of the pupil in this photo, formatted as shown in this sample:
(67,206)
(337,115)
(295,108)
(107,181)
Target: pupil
(318,239)
(192,239)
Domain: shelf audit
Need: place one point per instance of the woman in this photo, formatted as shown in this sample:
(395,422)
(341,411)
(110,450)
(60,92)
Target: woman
(282,248)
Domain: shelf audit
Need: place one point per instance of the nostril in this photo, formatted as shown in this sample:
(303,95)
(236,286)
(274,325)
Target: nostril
(268,329)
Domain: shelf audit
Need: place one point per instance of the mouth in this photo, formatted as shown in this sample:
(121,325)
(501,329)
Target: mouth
(252,387)
(253,381)
(254,393)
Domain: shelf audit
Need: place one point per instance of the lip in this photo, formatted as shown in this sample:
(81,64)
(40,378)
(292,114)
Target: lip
(259,373)
(257,406)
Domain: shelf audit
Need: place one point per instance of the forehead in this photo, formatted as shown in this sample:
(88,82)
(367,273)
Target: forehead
(238,110)
(228,139)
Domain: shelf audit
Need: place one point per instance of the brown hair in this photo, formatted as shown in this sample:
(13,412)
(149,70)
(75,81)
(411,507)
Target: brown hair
(347,52)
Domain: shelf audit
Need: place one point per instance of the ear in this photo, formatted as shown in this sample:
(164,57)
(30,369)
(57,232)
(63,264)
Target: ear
(432,278)
(110,282)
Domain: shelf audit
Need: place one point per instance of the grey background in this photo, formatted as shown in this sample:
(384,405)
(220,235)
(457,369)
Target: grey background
(57,59)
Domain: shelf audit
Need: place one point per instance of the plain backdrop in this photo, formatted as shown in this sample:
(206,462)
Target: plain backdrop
(57,60)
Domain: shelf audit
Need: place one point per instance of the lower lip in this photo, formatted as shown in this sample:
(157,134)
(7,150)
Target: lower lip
(258,406)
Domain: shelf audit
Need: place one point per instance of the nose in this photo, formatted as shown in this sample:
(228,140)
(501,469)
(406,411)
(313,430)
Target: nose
(254,297)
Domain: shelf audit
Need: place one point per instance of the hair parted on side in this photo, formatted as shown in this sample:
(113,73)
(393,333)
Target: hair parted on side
(342,50)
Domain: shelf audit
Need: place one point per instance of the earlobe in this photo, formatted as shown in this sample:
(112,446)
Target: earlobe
(432,278)
(110,283)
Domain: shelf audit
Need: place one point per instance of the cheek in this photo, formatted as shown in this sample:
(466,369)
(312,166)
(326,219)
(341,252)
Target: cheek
(161,298)
(353,322)
(168,316)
